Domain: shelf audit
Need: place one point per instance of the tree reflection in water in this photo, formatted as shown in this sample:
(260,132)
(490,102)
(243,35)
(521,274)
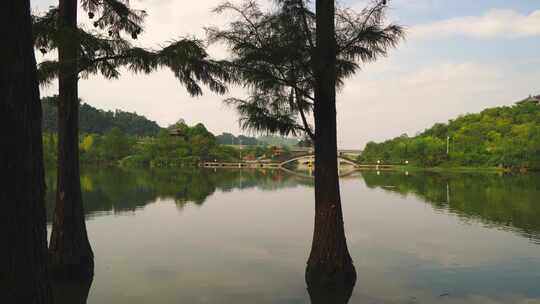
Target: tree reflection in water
(504,201)
(116,190)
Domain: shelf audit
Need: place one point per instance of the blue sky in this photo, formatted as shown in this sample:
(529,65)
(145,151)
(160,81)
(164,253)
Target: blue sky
(432,10)
(460,56)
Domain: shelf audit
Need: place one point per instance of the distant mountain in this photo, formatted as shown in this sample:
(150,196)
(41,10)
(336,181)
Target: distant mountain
(92,120)
(274,140)
(230,139)
(271,140)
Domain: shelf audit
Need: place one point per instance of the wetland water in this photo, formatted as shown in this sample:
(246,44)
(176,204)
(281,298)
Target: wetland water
(229,236)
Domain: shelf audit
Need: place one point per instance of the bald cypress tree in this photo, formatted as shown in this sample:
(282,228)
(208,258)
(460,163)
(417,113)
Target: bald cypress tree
(329,263)
(23,271)
(291,60)
(102,50)
(70,253)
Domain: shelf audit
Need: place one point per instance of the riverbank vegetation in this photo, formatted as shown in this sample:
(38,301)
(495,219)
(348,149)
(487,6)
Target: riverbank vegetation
(179,145)
(500,200)
(505,137)
(123,190)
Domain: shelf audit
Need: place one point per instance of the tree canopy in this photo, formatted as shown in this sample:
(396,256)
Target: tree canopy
(104,49)
(272,55)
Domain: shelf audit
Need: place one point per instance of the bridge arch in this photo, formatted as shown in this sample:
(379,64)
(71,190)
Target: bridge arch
(311,156)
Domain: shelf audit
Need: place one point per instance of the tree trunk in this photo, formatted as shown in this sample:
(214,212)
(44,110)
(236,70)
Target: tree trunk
(70,253)
(23,233)
(72,291)
(330,294)
(329,263)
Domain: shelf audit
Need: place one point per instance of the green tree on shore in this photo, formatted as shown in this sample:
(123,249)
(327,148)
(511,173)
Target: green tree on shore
(117,144)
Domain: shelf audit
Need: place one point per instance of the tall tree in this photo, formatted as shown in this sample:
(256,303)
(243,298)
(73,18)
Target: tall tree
(292,60)
(70,253)
(23,271)
(80,53)
(329,261)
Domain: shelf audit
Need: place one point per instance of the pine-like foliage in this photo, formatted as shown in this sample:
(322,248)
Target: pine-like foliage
(272,55)
(104,50)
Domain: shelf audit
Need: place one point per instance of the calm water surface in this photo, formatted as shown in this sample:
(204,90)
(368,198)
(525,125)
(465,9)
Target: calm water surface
(202,236)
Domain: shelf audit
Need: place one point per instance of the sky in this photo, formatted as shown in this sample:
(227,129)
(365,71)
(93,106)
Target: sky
(459,57)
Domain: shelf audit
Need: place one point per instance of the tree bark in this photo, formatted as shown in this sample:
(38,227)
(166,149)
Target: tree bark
(330,294)
(72,291)
(23,234)
(70,253)
(329,263)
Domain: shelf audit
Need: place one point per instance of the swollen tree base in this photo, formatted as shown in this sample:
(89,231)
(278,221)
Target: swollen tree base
(70,254)
(324,275)
(72,291)
(330,272)
(324,287)
(72,268)
(329,262)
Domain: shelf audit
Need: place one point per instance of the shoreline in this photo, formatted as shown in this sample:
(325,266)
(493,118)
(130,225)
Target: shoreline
(460,169)
(400,168)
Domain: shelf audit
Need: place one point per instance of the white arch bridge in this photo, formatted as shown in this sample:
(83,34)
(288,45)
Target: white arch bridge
(310,158)
(304,160)
(346,167)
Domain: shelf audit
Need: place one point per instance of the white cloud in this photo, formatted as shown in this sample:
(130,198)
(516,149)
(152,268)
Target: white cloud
(372,107)
(505,23)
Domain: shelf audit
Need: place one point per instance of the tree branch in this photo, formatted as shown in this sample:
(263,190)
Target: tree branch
(307,128)
(282,80)
(307,32)
(375,8)
(100,59)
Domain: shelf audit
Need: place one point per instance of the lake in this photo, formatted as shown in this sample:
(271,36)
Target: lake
(230,236)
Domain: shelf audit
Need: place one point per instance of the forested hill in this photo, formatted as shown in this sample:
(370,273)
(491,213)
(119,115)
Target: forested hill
(272,140)
(506,136)
(92,120)
(230,139)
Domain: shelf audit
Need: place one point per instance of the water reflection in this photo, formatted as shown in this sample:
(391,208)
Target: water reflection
(118,191)
(504,201)
(231,246)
